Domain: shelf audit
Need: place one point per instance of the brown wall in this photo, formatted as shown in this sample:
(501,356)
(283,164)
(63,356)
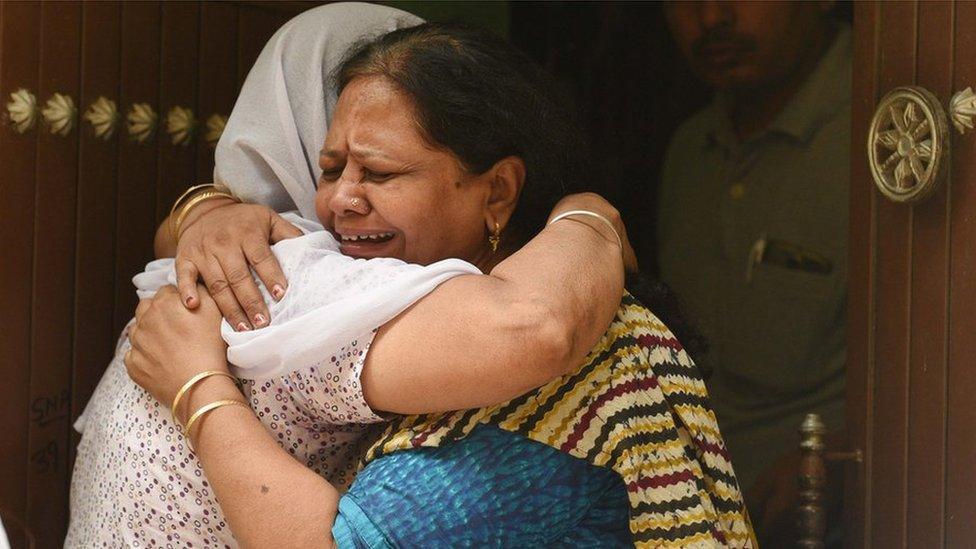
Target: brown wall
(77,213)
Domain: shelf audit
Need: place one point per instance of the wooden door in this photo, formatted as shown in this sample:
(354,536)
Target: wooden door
(77,211)
(912,302)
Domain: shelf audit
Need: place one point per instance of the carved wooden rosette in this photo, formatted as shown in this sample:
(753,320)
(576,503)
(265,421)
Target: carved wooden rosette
(180,125)
(215,128)
(22,110)
(140,122)
(908,144)
(962,110)
(60,113)
(103,115)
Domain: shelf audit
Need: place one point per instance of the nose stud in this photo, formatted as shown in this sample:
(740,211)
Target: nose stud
(359,205)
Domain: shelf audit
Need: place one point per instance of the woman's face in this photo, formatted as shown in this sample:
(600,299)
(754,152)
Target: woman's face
(386,192)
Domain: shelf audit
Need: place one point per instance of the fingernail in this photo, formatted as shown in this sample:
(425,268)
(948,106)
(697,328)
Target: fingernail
(243,327)
(277,291)
(189,300)
(259,320)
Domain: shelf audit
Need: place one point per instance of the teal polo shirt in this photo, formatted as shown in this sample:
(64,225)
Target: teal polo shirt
(753,238)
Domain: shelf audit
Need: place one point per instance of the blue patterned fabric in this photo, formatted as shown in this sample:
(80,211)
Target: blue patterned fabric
(491,489)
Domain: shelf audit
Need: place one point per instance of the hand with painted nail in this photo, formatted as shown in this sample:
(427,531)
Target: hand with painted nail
(171,344)
(220,246)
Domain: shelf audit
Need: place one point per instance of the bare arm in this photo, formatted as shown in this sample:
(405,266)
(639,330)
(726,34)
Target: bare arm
(492,338)
(272,500)
(269,498)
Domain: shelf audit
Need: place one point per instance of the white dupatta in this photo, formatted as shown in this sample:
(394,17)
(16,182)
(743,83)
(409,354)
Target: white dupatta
(268,154)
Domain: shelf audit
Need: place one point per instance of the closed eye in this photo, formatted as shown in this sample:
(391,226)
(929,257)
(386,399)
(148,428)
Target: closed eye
(331,175)
(377,177)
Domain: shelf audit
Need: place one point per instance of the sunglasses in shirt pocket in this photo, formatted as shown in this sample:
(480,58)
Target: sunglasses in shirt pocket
(786,255)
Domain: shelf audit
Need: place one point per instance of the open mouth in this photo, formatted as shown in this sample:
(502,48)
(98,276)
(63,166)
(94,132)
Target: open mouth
(377,238)
(367,245)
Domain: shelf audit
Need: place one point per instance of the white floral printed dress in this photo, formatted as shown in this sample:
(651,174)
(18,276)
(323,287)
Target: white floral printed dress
(137,484)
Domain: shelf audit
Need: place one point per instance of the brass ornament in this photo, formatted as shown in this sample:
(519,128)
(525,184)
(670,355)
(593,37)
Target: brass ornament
(180,125)
(814,455)
(811,515)
(140,122)
(215,128)
(104,117)
(59,113)
(22,110)
(908,144)
(962,110)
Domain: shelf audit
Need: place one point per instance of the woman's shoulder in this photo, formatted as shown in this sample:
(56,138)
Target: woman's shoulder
(639,333)
(635,320)
(665,306)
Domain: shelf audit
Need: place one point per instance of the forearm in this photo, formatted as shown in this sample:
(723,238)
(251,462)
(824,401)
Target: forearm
(491,338)
(573,272)
(269,498)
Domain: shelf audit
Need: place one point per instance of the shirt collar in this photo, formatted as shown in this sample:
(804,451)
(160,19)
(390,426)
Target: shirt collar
(826,90)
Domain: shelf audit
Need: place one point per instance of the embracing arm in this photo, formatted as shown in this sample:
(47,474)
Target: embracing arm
(164,244)
(268,497)
(491,338)
(220,241)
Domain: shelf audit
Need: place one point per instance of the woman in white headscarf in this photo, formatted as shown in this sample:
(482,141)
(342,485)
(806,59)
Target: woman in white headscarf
(136,480)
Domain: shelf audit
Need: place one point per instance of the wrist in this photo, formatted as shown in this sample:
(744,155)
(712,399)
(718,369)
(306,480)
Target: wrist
(586,201)
(208,390)
(203,209)
(593,220)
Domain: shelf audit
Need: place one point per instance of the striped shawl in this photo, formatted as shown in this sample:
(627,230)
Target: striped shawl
(639,406)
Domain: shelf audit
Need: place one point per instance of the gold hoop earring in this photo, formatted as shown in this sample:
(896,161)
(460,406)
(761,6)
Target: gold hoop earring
(495,238)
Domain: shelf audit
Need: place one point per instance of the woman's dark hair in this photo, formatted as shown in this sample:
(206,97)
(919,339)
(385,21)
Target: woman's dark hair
(482,99)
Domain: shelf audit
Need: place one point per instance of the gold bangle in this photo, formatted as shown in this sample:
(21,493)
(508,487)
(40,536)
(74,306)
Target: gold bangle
(201,411)
(179,202)
(190,383)
(192,203)
(187,193)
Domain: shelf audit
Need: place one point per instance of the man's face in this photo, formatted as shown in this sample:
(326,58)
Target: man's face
(743,45)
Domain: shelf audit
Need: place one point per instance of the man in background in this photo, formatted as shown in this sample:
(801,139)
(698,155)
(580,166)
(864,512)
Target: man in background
(753,229)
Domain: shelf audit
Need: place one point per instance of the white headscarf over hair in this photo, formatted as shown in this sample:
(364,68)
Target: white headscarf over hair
(268,153)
